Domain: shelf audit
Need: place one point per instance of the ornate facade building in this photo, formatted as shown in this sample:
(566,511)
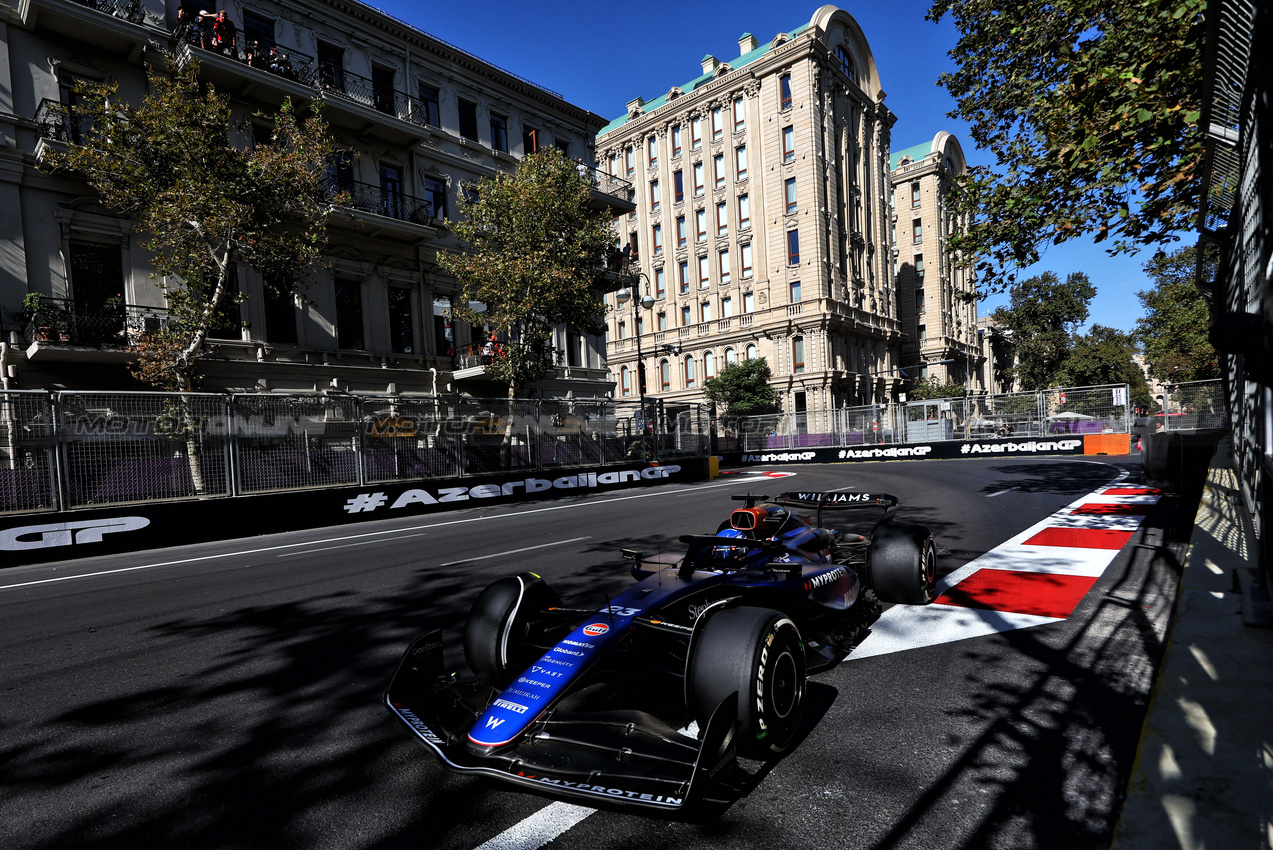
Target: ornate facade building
(937,298)
(422,120)
(762,223)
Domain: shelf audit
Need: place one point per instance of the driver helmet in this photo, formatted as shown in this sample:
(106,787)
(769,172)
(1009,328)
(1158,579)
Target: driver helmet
(725,554)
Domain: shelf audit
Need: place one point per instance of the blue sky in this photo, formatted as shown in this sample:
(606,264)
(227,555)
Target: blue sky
(599,56)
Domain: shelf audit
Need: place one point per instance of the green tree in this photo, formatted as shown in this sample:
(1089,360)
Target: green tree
(1092,110)
(1173,331)
(1041,319)
(926,388)
(1104,356)
(202,203)
(535,244)
(743,389)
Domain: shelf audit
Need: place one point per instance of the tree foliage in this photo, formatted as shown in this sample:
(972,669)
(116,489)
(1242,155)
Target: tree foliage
(926,388)
(1173,331)
(535,243)
(1041,319)
(743,389)
(1091,108)
(203,203)
(1104,356)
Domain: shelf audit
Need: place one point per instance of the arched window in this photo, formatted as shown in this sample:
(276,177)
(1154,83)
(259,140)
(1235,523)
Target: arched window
(752,351)
(689,372)
(709,366)
(730,357)
(625,381)
(846,63)
(665,375)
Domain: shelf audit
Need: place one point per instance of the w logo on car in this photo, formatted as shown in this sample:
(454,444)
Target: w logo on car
(595,629)
(493,722)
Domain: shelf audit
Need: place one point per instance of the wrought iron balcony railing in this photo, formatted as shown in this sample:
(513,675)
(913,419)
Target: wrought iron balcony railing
(333,79)
(265,55)
(63,321)
(55,123)
(486,354)
(129,10)
(384,200)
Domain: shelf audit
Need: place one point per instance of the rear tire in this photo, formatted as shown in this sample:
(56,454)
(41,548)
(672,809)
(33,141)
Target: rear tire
(495,633)
(758,653)
(902,562)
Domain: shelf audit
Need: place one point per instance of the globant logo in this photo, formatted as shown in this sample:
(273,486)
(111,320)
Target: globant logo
(1027,447)
(367,502)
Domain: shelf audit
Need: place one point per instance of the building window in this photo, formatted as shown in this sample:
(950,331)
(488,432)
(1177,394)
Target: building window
(846,64)
(793,247)
(740,158)
(745,250)
(640,329)
(752,351)
(917,231)
(919,301)
(653,151)
(468,120)
(280,313)
(678,186)
(723,258)
(349,314)
(740,115)
(435,196)
(665,376)
(795,291)
(530,144)
(784,90)
(797,354)
(709,366)
(662,321)
(563,145)
(680,231)
(654,196)
(258,33)
(623,330)
(401,320)
(923,332)
(700,223)
(696,133)
(660,283)
(382,90)
(683,270)
(331,66)
(788,144)
(391,191)
(625,381)
(698,178)
(749,302)
(722,220)
(657,242)
(705,311)
(790,190)
(628,162)
(915,196)
(676,140)
(430,112)
(726,307)
(718,168)
(499,133)
(919,266)
(744,213)
(718,131)
(703,281)
(690,379)
(686,319)
(730,357)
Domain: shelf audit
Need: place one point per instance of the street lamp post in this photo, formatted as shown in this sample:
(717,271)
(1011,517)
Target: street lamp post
(647,301)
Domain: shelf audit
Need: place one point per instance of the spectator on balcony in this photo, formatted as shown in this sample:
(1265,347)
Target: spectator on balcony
(280,64)
(220,31)
(256,55)
(189,24)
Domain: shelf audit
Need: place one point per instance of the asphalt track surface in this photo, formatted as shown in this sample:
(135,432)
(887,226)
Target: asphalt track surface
(228,695)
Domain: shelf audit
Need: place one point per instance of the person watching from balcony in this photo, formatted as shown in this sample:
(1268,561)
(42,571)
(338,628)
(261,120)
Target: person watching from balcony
(221,32)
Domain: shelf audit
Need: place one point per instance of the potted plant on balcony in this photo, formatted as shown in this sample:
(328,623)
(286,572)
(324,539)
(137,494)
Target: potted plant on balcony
(45,318)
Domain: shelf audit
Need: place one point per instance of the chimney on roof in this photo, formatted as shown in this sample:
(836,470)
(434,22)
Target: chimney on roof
(747,43)
(709,64)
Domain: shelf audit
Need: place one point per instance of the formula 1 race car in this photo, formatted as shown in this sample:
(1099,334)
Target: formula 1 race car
(650,700)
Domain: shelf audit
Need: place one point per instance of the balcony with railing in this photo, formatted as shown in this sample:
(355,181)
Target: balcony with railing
(56,126)
(116,26)
(62,329)
(384,200)
(475,362)
(276,71)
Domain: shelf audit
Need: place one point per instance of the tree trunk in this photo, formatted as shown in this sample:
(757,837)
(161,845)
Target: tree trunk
(190,431)
(506,446)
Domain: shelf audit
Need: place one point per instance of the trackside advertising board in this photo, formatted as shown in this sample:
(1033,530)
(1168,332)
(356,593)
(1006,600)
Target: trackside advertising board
(36,538)
(943,450)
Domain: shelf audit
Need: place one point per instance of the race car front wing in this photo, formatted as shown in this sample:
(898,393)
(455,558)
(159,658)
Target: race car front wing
(622,757)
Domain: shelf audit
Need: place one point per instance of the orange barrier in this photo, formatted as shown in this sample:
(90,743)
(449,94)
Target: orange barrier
(1106,444)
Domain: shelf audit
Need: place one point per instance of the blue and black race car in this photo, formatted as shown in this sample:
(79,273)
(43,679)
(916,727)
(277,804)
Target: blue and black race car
(650,700)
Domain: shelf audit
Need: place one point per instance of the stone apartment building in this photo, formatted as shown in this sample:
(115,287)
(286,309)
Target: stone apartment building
(936,298)
(423,121)
(762,223)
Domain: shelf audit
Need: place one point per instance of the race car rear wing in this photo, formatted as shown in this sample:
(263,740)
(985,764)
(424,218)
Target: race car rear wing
(839,500)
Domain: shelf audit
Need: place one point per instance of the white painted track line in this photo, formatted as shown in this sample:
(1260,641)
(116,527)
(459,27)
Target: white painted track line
(538,829)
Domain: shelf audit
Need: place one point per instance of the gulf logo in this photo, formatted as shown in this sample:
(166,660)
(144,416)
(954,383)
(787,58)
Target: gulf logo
(594,629)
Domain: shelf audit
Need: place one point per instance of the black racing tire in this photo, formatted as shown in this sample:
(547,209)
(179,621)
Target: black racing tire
(902,564)
(495,633)
(757,653)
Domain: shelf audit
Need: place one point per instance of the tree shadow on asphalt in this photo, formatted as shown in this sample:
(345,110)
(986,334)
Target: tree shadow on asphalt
(1070,732)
